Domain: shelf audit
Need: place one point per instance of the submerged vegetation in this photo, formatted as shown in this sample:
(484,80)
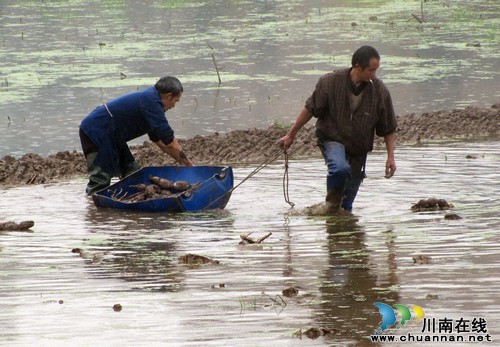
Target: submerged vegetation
(70,56)
(61,42)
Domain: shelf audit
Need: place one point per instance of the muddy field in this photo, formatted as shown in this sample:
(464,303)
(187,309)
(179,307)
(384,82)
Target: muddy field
(252,146)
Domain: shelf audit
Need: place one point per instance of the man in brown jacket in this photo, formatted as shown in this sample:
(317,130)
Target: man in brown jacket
(351,106)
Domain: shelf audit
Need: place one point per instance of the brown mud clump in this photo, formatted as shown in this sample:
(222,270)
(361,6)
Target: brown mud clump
(312,333)
(252,146)
(290,292)
(431,204)
(422,259)
(13,226)
(196,260)
(452,216)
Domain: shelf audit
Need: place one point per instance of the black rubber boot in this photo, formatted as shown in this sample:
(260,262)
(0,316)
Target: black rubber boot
(335,193)
(98,179)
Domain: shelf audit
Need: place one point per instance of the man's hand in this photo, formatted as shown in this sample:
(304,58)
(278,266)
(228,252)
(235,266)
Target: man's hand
(174,149)
(390,164)
(286,141)
(390,168)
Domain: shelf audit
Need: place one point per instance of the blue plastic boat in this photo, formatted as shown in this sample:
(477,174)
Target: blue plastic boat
(212,188)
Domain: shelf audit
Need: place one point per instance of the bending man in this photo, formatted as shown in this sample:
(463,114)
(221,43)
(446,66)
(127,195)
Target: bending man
(105,131)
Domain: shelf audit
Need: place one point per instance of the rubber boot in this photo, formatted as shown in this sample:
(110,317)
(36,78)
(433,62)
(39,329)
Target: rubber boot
(335,193)
(98,179)
(350,192)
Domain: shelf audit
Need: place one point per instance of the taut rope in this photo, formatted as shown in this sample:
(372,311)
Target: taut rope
(270,159)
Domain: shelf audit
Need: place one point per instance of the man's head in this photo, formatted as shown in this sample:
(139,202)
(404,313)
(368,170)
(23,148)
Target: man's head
(169,84)
(365,61)
(171,90)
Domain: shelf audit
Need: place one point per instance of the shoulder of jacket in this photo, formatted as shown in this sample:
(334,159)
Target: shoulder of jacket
(378,82)
(380,85)
(336,75)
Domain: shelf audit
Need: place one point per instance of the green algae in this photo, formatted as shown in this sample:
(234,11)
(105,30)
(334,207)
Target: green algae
(90,50)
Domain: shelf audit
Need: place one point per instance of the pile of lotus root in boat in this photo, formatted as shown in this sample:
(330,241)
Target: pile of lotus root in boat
(158,189)
(431,204)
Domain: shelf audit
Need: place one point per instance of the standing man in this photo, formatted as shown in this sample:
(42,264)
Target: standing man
(350,105)
(105,131)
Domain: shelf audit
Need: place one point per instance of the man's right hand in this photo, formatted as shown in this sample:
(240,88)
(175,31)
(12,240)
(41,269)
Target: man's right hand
(174,149)
(286,141)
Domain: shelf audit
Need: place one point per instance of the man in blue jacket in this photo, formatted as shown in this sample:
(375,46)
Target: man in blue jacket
(104,133)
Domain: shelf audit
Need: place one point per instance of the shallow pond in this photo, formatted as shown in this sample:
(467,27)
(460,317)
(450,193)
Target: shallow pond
(50,296)
(60,59)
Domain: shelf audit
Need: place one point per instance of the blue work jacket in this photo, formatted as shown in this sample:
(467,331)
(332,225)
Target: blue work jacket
(125,118)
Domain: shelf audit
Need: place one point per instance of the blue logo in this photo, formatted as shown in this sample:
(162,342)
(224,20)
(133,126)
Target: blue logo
(389,317)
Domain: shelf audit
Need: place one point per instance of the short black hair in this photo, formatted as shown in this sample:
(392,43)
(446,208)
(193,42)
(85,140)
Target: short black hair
(363,55)
(169,84)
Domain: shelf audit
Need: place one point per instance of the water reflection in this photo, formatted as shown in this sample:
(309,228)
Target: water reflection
(142,248)
(351,285)
(340,266)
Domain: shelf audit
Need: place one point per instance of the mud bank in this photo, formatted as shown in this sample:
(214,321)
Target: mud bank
(245,147)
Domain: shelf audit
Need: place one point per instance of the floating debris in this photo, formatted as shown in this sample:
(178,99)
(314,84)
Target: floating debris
(289,292)
(117,307)
(92,257)
(282,303)
(60,302)
(221,285)
(359,297)
(432,297)
(422,259)
(246,239)
(312,333)
(452,216)
(195,259)
(431,204)
(13,226)
(474,44)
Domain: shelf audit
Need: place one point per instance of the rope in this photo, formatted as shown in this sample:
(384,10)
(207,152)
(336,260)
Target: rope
(285,182)
(270,159)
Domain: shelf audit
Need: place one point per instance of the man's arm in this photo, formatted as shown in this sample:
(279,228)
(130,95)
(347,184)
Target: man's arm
(390,164)
(174,149)
(304,117)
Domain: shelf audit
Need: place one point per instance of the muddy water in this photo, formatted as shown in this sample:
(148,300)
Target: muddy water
(60,59)
(50,296)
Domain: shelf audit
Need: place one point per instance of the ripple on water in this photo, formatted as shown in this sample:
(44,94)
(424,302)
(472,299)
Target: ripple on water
(339,266)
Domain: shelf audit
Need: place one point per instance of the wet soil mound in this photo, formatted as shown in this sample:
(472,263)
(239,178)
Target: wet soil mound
(244,147)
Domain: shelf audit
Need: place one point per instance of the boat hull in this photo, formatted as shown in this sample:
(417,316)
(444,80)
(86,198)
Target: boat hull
(212,189)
